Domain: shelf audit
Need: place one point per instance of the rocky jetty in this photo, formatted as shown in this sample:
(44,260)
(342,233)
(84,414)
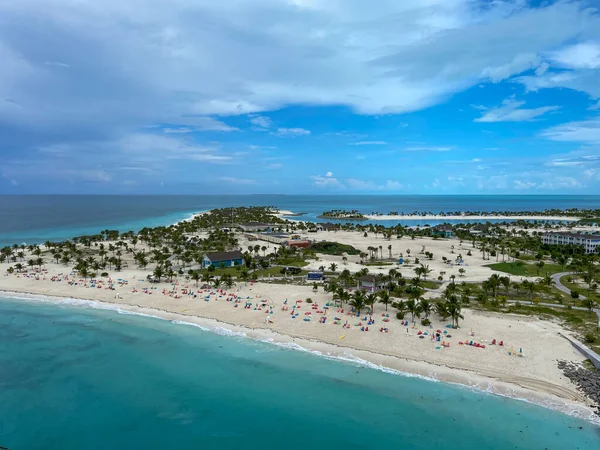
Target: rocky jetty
(588,381)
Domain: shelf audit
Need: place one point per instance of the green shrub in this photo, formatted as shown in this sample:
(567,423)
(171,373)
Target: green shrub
(425,322)
(590,338)
(333,248)
(104,274)
(309,300)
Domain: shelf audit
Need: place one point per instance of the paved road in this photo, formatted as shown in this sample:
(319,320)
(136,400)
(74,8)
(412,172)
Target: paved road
(561,287)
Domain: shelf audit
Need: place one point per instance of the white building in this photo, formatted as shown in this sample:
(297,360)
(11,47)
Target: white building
(589,242)
(371,283)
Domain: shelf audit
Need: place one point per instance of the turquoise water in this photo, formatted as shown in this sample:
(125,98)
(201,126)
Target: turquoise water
(74,378)
(39,218)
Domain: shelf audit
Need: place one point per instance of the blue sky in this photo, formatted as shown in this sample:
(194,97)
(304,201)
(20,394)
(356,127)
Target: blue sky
(300,96)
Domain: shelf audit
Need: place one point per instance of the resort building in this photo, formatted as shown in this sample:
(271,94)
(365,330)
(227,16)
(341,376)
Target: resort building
(226,259)
(256,226)
(371,283)
(442,231)
(298,243)
(478,229)
(329,226)
(589,242)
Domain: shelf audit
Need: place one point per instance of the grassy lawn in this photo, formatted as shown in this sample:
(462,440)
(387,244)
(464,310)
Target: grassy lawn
(580,287)
(233,271)
(291,262)
(430,284)
(542,294)
(521,268)
(275,272)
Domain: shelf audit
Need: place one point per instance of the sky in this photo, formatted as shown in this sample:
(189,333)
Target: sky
(300,97)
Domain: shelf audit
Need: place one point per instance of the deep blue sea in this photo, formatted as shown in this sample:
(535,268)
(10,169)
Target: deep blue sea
(75,378)
(38,218)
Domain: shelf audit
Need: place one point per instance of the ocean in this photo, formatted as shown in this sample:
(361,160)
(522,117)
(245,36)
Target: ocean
(76,378)
(39,218)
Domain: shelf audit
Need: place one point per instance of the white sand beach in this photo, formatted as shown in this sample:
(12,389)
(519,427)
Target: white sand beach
(469,217)
(533,376)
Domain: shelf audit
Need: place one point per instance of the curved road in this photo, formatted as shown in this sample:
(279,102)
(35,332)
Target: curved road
(561,287)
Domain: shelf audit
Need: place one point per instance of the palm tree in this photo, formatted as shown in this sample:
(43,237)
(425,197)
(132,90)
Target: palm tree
(413,308)
(206,278)
(454,312)
(441,309)
(530,287)
(158,273)
(426,307)
(358,301)
(227,280)
(546,280)
(402,309)
(590,304)
(384,297)
(217,283)
(370,301)
(333,267)
(196,277)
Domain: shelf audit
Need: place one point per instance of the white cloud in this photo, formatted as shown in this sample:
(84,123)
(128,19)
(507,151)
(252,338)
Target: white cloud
(326,181)
(587,131)
(261,122)
(275,166)
(291,132)
(510,112)
(260,147)
(196,123)
(560,182)
(595,106)
(578,67)
(591,174)
(234,180)
(57,64)
(369,143)
(93,175)
(542,69)
(428,149)
(564,163)
(177,130)
(523,185)
(363,185)
(584,55)
(393,185)
(158,59)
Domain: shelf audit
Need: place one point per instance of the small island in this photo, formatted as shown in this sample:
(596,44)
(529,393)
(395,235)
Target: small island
(342,214)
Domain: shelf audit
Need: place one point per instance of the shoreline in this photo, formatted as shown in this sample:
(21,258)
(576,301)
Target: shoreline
(539,392)
(469,217)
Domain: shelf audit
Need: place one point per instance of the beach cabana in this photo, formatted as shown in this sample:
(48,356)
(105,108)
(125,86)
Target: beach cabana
(228,259)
